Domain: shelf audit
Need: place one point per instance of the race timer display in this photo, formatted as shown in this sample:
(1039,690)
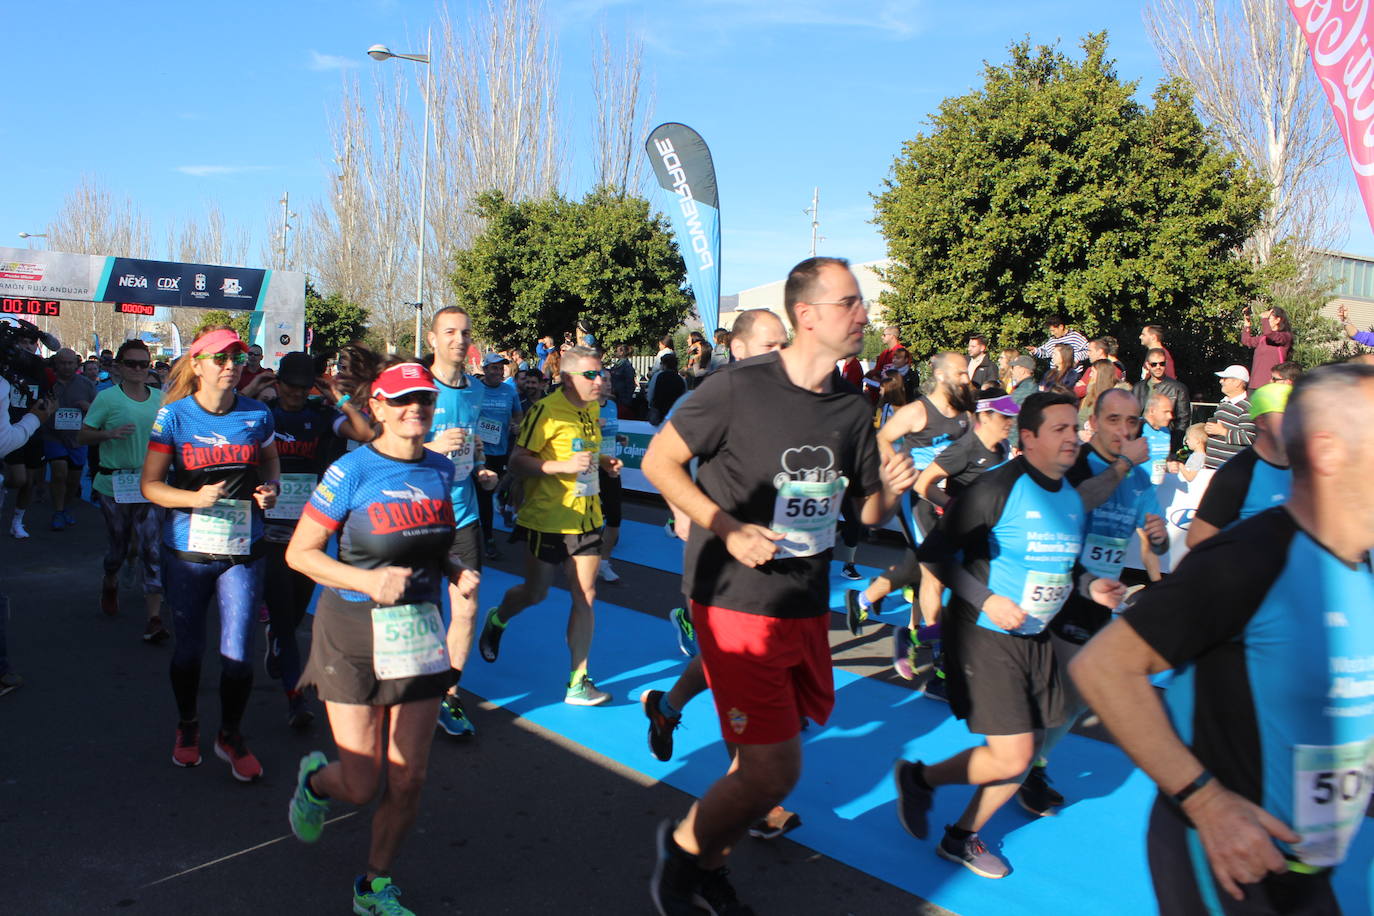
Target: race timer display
(48,308)
(134,308)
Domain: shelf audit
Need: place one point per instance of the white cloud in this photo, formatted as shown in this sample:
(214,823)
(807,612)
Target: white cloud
(320,61)
(210,171)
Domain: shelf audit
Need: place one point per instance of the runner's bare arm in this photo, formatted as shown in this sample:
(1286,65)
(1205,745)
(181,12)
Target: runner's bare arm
(898,475)
(1112,672)
(157,491)
(926,485)
(269,471)
(1098,489)
(907,418)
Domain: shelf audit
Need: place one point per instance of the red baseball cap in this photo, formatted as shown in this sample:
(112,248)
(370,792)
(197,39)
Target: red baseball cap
(403,378)
(218,342)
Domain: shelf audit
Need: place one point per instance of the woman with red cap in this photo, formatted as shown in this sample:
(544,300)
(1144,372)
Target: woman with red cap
(380,653)
(216,445)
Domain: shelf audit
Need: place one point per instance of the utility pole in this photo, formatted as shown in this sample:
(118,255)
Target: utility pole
(815,213)
(286,215)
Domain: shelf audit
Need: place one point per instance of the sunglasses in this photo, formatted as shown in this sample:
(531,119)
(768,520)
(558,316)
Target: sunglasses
(590,375)
(1156,364)
(223,359)
(135,363)
(423,398)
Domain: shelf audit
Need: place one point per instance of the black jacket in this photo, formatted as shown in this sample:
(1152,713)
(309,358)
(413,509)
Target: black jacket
(1177,393)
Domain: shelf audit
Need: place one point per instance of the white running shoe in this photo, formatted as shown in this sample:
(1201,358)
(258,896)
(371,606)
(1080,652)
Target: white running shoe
(17,531)
(605,572)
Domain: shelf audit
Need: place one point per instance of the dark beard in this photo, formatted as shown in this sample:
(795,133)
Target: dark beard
(962,397)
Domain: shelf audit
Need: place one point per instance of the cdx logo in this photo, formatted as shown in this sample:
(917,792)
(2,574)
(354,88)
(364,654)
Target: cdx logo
(134,280)
(172,283)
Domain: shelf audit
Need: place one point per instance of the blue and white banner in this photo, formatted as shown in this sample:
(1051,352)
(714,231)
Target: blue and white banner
(682,164)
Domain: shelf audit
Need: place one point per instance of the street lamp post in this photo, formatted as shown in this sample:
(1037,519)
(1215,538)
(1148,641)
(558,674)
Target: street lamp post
(382,52)
(33,235)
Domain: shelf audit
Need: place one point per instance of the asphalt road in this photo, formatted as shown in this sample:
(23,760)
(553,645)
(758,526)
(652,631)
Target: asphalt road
(95,818)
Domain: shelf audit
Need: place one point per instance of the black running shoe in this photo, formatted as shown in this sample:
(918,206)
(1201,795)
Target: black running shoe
(661,727)
(1036,796)
(718,896)
(913,800)
(851,572)
(271,659)
(774,824)
(489,643)
(677,880)
(855,615)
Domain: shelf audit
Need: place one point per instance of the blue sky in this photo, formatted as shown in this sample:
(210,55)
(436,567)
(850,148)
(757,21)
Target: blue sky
(177,104)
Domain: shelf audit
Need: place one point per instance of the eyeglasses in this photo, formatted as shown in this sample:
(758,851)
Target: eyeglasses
(223,359)
(1156,364)
(850,303)
(423,398)
(590,375)
(135,363)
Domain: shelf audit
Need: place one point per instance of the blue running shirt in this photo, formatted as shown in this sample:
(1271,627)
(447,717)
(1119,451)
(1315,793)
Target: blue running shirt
(212,448)
(1159,440)
(1272,640)
(1016,533)
(1244,486)
(500,406)
(460,408)
(389,512)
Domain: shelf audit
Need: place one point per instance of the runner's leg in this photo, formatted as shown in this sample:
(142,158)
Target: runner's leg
(407,755)
(239,589)
(581,572)
(760,776)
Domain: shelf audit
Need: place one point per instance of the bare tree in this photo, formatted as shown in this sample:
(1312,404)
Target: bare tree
(1246,61)
(209,242)
(622,114)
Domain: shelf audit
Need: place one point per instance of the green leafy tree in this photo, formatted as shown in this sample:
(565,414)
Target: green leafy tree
(540,265)
(334,320)
(1051,190)
(239,321)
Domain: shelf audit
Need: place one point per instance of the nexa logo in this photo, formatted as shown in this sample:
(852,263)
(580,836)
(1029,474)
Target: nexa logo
(672,163)
(173,283)
(134,280)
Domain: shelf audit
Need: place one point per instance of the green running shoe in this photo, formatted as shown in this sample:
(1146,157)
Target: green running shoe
(583,692)
(377,898)
(307,812)
(489,642)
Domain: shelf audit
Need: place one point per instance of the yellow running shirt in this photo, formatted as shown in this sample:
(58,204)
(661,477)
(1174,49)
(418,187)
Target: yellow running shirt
(562,503)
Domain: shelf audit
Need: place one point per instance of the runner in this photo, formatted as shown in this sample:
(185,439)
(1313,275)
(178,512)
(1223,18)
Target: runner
(454,433)
(306,437)
(925,427)
(611,496)
(217,446)
(559,451)
(979,450)
(1257,478)
(1132,508)
(1006,549)
(380,658)
(779,449)
(121,420)
(64,458)
(501,413)
(1263,749)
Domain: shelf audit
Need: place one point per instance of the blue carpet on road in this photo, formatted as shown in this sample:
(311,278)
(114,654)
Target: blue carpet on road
(1087,859)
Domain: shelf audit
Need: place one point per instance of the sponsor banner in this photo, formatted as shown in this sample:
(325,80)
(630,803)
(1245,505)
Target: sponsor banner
(49,274)
(170,283)
(1339,39)
(682,164)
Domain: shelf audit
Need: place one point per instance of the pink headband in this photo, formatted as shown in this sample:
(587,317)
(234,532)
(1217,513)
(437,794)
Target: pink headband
(218,342)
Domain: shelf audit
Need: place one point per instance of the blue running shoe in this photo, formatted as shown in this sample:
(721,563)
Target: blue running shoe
(452,718)
(686,633)
(307,810)
(59,522)
(68,518)
(377,898)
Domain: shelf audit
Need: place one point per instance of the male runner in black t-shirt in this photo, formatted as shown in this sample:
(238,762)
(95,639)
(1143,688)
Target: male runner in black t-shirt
(779,450)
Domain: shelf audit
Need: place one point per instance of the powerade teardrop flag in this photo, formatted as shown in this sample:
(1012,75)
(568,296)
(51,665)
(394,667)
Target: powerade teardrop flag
(682,164)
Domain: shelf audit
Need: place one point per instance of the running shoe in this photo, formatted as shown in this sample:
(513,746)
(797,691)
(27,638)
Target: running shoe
(677,880)
(58,522)
(109,599)
(972,854)
(307,810)
(186,751)
(491,553)
(669,530)
(717,894)
(774,824)
(271,656)
(508,515)
(583,692)
(937,685)
(233,751)
(856,615)
(18,531)
(1036,796)
(605,572)
(850,571)
(9,682)
(489,643)
(453,719)
(904,648)
(686,633)
(377,898)
(661,726)
(913,800)
(155,632)
(68,518)
(298,712)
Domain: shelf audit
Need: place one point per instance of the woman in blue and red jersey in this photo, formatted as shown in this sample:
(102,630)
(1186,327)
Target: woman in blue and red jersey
(380,654)
(217,446)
